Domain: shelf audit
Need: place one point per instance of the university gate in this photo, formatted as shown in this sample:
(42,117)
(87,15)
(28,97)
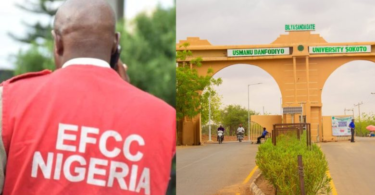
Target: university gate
(300,62)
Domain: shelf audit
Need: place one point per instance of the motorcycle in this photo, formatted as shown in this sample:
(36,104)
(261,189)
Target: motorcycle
(240,136)
(220,135)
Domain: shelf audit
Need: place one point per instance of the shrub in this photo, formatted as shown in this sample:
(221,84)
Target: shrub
(279,165)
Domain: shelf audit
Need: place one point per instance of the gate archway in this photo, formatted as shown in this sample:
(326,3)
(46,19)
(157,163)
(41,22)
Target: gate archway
(300,71)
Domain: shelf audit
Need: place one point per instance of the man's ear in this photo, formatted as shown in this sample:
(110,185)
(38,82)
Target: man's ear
(58,48)
(116,42)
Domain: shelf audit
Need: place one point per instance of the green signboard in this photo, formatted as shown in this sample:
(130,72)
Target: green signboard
(299,27)
(258,52)
(340,49)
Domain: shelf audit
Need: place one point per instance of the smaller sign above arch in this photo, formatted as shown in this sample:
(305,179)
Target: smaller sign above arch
(299,27)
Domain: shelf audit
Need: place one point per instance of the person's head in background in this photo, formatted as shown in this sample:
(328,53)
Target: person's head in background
(240,125)
(264,128)
(84,29)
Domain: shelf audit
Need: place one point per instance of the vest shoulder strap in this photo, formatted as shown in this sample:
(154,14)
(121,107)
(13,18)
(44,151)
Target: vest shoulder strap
(26,76)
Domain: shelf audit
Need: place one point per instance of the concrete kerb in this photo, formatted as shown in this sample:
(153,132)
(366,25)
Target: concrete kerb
(254,188)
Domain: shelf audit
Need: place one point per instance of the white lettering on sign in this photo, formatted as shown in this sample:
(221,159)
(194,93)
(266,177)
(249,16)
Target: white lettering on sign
(340,49)
(134,175)
(144,182)
(85,139)
(94,171)
(62,136)
(58,166)
(79,171)
(124,170)
(257,52)
(46,168)
(127,143)
(103,141)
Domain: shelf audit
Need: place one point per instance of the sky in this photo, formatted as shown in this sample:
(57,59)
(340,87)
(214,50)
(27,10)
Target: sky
(243,22)
(12,18)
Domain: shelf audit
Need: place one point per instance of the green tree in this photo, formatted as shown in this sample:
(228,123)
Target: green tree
(35,58)
(148,49)
(233,115)
(360,125)
(149,52)
(39,55)
(189,86)
(39,31)
(5,75)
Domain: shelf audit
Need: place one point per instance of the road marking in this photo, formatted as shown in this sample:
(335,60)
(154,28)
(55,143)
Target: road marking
(334,191)
(333,188)
(250,175)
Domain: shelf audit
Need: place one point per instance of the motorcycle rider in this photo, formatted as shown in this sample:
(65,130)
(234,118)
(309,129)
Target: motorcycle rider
(240,130)
(221,128)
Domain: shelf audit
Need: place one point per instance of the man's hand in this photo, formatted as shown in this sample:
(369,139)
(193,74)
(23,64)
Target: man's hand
(122,70)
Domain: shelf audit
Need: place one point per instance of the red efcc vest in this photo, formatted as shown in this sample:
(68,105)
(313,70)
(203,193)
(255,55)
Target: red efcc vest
(83,130)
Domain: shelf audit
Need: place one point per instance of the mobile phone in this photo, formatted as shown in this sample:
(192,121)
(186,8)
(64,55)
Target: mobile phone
(115,57)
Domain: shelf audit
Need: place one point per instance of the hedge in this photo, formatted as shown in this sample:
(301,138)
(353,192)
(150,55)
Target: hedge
(279,165)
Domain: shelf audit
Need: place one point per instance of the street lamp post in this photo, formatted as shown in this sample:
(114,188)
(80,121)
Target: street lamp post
(248,107)
(209,117)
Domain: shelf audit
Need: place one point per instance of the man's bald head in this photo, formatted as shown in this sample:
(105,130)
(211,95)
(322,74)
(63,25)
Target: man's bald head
(84,28)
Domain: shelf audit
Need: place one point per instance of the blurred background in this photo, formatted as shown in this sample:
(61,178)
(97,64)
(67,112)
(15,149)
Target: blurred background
(148,37)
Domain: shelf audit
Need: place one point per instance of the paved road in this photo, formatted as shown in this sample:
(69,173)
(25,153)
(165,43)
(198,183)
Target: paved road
(203,170)
(352,165)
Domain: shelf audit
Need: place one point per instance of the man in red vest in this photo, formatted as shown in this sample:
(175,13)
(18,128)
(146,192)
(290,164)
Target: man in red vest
(82,129)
